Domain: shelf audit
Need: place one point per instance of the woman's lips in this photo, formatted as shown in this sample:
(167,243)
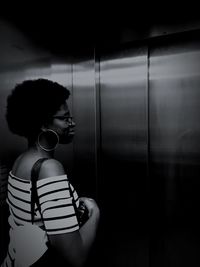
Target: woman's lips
(71,132)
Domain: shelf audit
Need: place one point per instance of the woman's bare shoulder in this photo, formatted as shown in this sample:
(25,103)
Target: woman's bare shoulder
(23,165)
(51,167)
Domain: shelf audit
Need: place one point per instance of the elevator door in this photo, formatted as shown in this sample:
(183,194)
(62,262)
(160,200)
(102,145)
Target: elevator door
(123,123)
(174,97)
(84,100)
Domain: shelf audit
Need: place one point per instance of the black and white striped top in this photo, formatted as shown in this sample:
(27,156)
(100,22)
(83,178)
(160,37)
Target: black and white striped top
(56,207)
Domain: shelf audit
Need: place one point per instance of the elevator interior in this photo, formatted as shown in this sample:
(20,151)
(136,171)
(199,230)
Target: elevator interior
(136,149)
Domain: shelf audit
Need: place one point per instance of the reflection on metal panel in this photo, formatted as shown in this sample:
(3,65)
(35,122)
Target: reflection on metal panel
(61,72)
(123,105)
(175,132)
(174,96)
(84,114)
(123,92)
(123,102)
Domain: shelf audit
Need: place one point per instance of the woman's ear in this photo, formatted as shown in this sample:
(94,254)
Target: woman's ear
(46,125)
(43,128)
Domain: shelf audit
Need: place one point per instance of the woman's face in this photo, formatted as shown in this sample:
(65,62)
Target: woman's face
(63,124)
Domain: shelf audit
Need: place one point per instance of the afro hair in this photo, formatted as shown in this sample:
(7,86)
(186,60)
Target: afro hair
(32,103)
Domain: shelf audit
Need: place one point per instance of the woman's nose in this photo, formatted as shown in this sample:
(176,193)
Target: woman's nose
(72,123)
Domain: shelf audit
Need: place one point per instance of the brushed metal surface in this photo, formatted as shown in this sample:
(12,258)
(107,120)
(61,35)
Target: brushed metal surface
(174,81)
(123,96)
(84,106)
(123,185)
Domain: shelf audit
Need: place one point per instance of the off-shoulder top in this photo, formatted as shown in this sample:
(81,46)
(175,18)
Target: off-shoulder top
(28,242)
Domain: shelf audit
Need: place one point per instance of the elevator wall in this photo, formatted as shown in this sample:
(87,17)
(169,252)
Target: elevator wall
(174,151)
(147,142)
(123,188)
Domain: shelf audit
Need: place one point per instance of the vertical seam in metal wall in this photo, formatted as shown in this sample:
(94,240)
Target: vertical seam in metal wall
(148,145)
(72,83)
(97,121)
(148,113)
(99,125)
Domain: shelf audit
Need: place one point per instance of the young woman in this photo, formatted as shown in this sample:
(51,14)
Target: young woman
(38,111)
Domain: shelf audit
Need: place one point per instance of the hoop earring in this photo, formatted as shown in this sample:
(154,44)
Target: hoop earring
(50,131)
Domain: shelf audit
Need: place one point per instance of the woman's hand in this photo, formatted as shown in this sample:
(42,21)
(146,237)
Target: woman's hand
(91,205)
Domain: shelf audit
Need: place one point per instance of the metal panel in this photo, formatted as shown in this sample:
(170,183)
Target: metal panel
(123,103)
(61,72)
(84,111)
(174,144)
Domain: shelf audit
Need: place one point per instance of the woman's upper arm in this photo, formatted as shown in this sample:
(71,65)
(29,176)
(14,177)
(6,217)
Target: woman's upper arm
(58,213)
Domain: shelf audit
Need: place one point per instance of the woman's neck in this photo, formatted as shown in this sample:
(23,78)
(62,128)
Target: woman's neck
(36,149)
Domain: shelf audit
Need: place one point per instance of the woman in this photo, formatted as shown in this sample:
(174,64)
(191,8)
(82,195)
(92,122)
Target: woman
(37,110)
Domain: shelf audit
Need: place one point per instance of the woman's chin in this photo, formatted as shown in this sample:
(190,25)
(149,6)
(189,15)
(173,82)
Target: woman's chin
(67,139)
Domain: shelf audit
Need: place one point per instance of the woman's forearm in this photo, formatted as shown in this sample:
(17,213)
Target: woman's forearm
(89,229)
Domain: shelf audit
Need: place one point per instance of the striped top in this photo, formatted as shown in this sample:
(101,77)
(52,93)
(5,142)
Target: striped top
(58,215)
